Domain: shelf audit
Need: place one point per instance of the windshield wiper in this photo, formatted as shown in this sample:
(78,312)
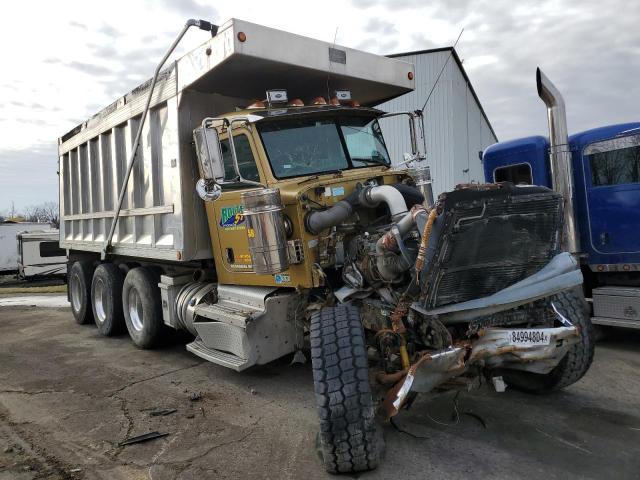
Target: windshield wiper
(317,175)
(370,160)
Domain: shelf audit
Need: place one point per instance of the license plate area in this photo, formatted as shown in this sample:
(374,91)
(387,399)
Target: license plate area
(528,337)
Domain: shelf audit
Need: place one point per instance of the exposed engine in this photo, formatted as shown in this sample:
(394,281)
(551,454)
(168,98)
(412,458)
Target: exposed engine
(476,241)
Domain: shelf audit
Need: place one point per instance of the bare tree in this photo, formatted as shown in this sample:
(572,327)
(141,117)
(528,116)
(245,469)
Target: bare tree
(46,212)
(51,213)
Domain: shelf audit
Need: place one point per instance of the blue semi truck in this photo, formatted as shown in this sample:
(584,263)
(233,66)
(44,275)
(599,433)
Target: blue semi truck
(598,173)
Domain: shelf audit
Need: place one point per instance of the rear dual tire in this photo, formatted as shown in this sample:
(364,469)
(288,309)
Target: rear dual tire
(142,307)
(106,299)
(79,288)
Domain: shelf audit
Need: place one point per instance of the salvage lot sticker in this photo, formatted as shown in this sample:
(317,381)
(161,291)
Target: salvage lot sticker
(528,338)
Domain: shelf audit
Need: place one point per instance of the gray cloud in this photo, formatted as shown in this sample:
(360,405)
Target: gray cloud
(191,9)
(378,26)
(90,68)
(589,50)
(79,25)
(29,176)
(109,31)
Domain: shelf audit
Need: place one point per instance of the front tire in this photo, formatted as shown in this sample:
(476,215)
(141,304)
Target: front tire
(578,359)
(106,299)
(350,440)
(79,285)
(142,307)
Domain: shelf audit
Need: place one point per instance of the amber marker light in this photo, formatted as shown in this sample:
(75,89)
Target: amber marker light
(410,75)
(242,37)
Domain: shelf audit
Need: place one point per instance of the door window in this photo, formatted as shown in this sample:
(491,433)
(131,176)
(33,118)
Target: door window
(615,167)
(246,161)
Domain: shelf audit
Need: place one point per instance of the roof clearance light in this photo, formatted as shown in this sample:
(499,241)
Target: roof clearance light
(296,102)
(277,96)
(256,104)
(318,101)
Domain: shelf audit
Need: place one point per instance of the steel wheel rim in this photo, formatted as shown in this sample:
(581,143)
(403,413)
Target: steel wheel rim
(99,300)
(135,310)
(76,292)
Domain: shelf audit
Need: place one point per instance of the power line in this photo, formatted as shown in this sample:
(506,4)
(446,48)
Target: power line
(442,70)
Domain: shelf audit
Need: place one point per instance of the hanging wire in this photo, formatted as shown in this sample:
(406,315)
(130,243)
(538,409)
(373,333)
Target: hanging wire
(441,71)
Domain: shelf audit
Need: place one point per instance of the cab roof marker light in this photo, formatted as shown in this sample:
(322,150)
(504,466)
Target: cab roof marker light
(276,96)
(343,95)
(256,104)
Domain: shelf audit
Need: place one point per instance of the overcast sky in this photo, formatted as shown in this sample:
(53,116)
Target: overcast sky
(63,61)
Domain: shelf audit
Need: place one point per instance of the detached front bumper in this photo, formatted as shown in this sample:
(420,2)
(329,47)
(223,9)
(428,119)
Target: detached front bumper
(537,350)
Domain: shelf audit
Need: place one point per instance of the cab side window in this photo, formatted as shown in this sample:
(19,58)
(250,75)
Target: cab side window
(519,174)
(246,162)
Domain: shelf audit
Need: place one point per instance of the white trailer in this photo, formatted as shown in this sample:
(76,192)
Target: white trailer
(39,254)
(8,237)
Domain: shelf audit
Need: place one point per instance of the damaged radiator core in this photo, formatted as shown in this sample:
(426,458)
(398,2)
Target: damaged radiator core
(493,236)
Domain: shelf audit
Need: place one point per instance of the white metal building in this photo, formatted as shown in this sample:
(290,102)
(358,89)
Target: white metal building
(457,128)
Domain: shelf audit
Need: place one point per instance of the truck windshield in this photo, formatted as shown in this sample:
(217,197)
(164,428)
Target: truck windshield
(307,146)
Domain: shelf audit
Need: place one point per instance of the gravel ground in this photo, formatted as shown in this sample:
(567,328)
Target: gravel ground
(68,397)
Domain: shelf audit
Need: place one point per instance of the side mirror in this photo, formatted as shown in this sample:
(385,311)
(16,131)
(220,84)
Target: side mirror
(211,164)
(209,154)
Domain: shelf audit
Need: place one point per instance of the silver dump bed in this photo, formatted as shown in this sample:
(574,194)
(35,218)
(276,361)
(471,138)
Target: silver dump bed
(162,217)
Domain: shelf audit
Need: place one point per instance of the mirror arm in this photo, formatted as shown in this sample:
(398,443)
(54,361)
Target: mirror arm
(207,123)
(414,117)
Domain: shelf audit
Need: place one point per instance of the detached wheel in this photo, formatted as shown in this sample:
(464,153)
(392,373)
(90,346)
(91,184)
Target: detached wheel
(106,299)
(578,359)
(142,307)
(79,286)
(350,440)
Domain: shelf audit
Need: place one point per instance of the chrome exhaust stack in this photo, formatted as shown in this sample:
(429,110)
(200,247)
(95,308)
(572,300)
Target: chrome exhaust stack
(560,156)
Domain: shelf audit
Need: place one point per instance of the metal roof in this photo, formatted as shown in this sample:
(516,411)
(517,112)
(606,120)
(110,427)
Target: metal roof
(454,54)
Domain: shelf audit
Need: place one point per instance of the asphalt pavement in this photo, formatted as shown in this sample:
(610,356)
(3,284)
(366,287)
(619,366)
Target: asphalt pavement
(69,397)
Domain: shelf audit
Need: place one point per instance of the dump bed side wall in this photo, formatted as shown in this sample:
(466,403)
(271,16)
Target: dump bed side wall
(161,216)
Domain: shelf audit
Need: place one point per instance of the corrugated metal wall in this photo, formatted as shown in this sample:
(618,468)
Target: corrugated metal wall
(456,129)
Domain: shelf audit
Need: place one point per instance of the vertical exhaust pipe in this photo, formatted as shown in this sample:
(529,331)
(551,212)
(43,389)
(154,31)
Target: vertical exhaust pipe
(560,156)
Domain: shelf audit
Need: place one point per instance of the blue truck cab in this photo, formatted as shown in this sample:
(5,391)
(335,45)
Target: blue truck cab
(605,199)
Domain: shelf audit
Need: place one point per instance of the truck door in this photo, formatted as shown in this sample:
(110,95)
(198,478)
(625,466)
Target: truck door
(612,182)
(230,224)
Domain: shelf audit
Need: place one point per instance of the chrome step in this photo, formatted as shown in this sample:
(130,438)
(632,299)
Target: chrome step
(218,357)
(226,313)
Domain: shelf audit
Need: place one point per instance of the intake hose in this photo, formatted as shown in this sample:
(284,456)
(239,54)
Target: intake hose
(370,197)
(319,220)
(389,264)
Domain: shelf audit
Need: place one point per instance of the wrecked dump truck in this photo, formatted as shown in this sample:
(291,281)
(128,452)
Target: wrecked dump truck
(277,226)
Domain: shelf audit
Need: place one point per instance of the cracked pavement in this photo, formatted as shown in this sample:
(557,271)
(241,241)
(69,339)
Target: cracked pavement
(68,397)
